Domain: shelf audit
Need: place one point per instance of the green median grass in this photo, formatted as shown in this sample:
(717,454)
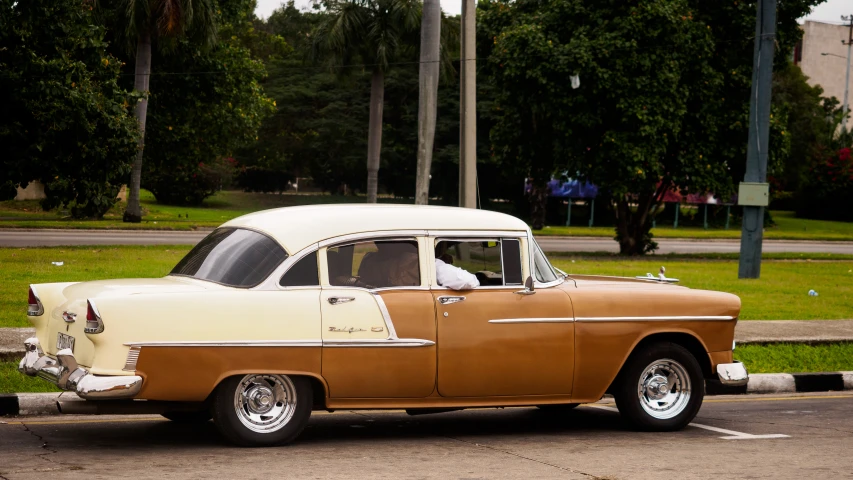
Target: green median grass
(13,381)
(787,227)
(796,357)
(780,294)
(20,267)
(776,358)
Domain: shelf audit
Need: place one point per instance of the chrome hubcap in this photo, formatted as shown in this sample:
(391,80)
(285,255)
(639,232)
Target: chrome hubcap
(265,403)
(664,389)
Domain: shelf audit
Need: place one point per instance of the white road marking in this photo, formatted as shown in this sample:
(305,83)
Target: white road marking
(731,434)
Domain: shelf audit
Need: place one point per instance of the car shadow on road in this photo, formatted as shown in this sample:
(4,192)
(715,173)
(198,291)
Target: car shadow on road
(344,426)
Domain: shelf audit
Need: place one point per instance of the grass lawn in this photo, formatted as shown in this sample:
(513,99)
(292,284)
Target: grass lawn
(20,267)
(788,227)
(780,294)
(226,205)
(13,381)
(785,357)
(794,358)
(218,209)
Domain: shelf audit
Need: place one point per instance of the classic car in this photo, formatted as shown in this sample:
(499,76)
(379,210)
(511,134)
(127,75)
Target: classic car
(281,312)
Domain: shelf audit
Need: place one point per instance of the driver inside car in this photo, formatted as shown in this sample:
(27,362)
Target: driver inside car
(447,275)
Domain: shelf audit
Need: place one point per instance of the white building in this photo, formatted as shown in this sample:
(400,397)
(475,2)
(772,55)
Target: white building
(828,70)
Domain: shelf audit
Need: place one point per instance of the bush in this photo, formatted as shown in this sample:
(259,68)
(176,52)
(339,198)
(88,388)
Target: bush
(186,185)
(264,180)
(828,192)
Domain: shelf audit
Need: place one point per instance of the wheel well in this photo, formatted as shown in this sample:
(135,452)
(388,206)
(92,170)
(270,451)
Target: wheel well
(691,343)
(318,391)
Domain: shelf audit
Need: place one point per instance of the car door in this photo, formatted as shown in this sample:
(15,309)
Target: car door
(499,339)
(378,320)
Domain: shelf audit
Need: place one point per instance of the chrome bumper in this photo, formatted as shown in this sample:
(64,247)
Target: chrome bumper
(67,375)
(732,374)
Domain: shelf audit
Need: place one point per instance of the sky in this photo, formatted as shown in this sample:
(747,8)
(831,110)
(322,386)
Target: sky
(829,12)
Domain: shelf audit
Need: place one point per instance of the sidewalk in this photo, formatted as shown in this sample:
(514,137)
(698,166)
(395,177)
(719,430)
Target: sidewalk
(752,331)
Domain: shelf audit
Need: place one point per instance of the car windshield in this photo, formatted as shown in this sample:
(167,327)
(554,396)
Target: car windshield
(232,256)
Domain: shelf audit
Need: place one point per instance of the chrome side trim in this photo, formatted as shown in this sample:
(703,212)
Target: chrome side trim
(392,332)
(656,319)
(379,342)
(132,359)
(232,343)
(534,320)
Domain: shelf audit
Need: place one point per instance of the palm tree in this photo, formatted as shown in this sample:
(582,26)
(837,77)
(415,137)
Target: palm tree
(163,22)
(376,33)
(428,95)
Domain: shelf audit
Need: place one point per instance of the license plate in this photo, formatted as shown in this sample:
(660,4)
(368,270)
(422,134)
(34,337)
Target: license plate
(64,341)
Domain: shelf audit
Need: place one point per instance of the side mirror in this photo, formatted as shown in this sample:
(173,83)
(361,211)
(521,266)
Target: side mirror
(528,287)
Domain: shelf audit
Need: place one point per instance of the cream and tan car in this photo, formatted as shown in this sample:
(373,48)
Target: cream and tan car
(281,312)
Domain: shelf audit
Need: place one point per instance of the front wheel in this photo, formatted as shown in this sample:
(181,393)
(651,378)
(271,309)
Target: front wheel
(661,388)
(262,410)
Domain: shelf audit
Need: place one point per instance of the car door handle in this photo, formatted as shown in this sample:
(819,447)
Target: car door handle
(340,300)
(449,300)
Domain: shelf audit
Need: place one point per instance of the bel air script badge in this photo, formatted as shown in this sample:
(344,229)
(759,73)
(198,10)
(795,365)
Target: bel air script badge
(346,330)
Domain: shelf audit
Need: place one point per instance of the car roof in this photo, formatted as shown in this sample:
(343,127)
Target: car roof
(298,227)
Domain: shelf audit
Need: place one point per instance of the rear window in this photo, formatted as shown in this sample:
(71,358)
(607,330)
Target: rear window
(232,256)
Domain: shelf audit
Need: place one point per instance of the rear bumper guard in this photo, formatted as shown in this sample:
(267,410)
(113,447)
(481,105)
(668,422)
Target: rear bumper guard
(65,373)
(732,374)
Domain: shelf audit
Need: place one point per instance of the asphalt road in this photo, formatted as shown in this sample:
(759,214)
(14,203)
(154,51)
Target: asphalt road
(733,437)
(40,238)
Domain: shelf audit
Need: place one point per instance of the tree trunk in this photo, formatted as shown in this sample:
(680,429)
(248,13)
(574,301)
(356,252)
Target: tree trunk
(143,73)
(633,229)
(374,135)
(538,198)
(428,95)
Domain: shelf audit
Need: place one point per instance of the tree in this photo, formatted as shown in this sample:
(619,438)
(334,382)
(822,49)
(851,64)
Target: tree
(64,119)
(209,107)
(662,102)
(428,93)
(376,33)
(164,22)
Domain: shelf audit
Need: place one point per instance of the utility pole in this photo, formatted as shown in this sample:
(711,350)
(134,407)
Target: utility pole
(845,108)
(753,193)
(468,108)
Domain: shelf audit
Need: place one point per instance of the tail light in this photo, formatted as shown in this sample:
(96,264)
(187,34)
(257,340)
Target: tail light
(34,307)
(94,324)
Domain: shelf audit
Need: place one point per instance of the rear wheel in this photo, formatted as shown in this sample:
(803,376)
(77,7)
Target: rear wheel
(262,410)
(661,388)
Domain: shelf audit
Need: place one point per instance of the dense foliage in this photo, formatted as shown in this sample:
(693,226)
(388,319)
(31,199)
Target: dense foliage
(662,102)
(64,119)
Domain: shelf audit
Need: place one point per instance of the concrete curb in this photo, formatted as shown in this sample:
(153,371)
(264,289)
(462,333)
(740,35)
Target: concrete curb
(31,404)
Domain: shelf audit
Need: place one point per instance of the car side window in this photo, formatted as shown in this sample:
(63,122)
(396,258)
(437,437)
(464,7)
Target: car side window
(543,270)
(303,273)
(495,262)
(375,264)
